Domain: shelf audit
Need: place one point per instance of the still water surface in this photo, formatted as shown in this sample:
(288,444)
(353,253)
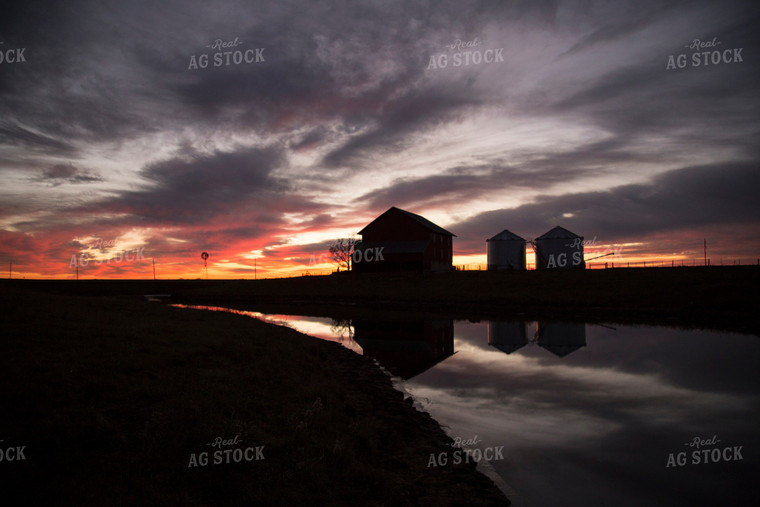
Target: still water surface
(578,414)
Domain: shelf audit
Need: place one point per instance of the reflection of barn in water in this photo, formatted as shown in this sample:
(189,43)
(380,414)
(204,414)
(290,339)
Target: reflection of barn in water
(561,338)
(399,240)
(406,348)
(507,336)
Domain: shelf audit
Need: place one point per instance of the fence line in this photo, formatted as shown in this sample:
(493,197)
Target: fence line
(638,264)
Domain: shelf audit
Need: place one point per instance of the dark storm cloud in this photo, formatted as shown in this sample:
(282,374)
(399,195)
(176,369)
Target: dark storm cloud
(720,194)
(463,183)
(56,89)
(415,112)
(107,72)
(242,232)
(88,58)
(351,76)
(598,157)
(622,20)
(310,140)
(195,189)
(647,111)
(332,63)
(319,221)
(648,100)
(357,64)
(23,138)
(295,79)
(66,173)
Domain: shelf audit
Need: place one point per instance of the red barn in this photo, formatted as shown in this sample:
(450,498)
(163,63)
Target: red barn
(399,240)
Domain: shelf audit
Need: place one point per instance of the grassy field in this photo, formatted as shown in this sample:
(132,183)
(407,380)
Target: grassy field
(112,401)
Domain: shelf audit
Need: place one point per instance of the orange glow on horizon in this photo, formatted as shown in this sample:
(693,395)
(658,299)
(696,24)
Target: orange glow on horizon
(132,252)
(271,267)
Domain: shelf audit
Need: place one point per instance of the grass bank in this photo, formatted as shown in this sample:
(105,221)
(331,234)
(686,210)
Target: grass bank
(723,298)
(114,400)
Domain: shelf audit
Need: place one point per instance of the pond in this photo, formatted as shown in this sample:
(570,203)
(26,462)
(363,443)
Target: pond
(577,414)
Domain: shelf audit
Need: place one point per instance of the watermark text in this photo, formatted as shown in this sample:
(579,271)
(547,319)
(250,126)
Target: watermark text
(704,451)
(11,453)
(465,55)
(463,454)
(226,55)
(700,58)
(13,55)
(226,453)
(84,259)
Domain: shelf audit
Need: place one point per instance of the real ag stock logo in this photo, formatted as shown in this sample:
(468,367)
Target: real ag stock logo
(11,453)
(712,56)
(12,55)
(226,452)
(466,455)
(85,259)
(466,55)
(226,54)
(704,451)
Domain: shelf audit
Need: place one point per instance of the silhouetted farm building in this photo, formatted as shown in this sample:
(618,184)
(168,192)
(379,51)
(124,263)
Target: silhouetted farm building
(559,249)
(560,338)
(404,345)
(399,240)
(506,251)
(507,336)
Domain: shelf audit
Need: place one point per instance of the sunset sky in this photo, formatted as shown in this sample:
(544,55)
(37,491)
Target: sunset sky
(114,138)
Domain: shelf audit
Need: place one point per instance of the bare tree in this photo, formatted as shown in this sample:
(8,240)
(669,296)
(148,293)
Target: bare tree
(341,252)
(343,328)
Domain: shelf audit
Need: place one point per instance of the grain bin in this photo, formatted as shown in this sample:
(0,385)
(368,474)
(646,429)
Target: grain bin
(506,250)
(559,249)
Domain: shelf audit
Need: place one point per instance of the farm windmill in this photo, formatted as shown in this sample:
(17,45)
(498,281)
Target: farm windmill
(204,256)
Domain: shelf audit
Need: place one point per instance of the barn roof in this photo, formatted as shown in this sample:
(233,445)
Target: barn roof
(405,358)
(559,233)
(422,220)
(506,235)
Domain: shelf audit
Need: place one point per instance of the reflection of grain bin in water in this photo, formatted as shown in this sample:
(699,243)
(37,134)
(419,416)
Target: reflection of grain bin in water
(506,251)
(559,249)
(561,338)
(507,336)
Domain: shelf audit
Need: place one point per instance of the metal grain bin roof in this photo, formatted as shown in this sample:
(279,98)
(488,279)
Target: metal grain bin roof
(506,235)
(558,233)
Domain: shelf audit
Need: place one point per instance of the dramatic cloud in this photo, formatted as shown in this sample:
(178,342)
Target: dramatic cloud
(689,198)
(262,130)
(196,188)
(61,173)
